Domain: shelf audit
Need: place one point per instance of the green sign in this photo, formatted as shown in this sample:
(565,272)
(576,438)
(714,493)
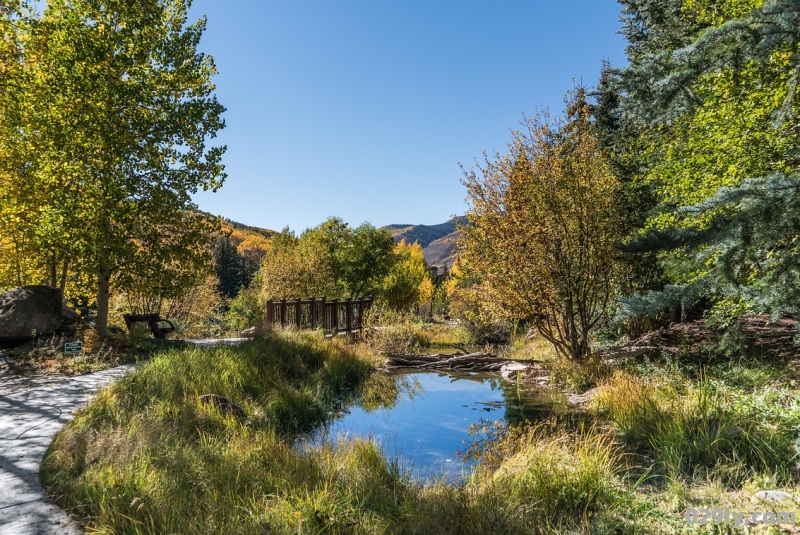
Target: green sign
(73,348)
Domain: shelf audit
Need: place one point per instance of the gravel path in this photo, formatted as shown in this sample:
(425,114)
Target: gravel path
(32,410)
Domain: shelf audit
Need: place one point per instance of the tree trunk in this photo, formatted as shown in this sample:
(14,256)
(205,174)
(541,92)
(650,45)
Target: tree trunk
(64,267)
(52,266)
(103,276)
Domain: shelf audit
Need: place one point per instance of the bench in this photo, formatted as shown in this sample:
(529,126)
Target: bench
(152,321)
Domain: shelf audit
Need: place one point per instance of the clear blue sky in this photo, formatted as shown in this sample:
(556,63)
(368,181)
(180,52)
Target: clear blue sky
(364,109)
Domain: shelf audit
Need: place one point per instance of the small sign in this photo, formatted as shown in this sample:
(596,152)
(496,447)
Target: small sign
(73,348)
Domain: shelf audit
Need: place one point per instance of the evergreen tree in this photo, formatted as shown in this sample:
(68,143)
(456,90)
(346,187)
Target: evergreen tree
(622,137)
(228,265)
(727,169)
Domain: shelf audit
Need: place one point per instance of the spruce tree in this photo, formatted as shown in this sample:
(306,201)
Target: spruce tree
(228,268)
(729,174)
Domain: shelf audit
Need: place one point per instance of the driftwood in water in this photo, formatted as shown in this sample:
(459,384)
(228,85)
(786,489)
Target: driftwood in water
(476,362)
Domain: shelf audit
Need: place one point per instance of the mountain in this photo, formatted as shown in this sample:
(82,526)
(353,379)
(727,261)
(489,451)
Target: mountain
(438,241)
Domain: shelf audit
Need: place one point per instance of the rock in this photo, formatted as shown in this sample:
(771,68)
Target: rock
(32,310)
(773,496)
(586,397)
(224,405)
(253,331)
(511,370)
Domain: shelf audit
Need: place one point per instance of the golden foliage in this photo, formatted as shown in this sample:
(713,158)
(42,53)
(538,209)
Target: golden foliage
(409,280)
(196,312)
(542,228)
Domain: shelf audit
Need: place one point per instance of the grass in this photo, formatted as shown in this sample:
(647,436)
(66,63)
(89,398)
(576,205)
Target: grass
(705,429)
(147,457)
(565,373)
(393,332)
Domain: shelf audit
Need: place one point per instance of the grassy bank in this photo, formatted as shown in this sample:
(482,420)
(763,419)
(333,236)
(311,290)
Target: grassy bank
(146,456)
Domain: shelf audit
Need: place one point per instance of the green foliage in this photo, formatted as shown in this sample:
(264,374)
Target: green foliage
(402,287)
(247,309)
(724,161)
(115,110)
(332,259)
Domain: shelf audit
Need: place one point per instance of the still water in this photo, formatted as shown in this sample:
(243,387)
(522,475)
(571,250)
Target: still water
(426,420)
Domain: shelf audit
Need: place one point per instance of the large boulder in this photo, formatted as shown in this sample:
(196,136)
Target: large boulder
(32,310)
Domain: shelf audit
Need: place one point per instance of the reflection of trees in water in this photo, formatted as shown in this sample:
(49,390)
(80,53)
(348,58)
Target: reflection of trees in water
(385,391)
(523,402)
(527,403)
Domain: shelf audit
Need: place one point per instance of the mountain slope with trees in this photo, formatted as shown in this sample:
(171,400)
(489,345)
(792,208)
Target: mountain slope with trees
(438,242)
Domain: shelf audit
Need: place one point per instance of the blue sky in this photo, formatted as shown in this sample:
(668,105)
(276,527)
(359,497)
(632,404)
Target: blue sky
(364,109)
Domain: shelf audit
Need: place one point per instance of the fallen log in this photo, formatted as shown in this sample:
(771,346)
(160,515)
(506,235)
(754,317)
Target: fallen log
(476,362)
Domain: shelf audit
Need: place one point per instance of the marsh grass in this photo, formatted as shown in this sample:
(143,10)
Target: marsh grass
(146,456)
(704,429)
(446,334)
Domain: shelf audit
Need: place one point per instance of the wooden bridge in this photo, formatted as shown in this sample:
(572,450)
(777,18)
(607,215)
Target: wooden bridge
(333,317)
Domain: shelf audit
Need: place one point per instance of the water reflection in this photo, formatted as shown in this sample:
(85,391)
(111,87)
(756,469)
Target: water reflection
(424,418)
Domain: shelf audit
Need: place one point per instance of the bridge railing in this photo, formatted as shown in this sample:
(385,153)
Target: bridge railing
(333,317)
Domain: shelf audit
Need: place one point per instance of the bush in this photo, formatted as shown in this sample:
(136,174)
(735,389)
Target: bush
(246,310)
(577,375)
(387,331)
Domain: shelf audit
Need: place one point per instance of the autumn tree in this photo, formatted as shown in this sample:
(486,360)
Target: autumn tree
(332,259)
(409,280)
(125,110)
(20,199)
(541,229)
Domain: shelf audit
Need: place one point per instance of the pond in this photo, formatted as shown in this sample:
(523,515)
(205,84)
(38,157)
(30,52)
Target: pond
(423,419)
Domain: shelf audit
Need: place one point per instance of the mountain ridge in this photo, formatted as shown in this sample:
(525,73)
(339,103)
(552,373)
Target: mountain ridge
(438,242)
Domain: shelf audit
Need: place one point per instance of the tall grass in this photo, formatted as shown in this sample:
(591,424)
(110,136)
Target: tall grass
(704,428)
(566,476)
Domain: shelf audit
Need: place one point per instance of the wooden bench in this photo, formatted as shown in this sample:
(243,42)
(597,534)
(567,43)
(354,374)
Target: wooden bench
(152,321)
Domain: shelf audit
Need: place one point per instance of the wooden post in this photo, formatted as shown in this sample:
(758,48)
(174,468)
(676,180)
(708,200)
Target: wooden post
(312,312)
(297,314)
(335,317)
(322,314)
(366,304)
(283,312)
(349,314)
(270,313)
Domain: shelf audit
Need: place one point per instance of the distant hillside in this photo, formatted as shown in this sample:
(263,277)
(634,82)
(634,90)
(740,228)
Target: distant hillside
(438,241)
(252,242)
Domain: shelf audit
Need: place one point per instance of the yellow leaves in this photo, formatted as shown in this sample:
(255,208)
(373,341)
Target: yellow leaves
(542,228)
(409,280)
